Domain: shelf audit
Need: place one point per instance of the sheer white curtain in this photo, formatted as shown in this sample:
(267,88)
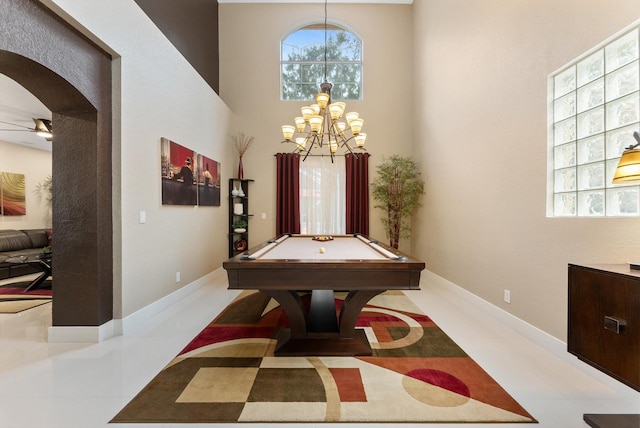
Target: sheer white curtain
(322,196)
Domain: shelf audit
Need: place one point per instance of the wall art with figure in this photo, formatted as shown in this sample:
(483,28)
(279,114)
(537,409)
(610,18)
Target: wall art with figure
(188,178)
(208,178)
(178,178)
(12,194)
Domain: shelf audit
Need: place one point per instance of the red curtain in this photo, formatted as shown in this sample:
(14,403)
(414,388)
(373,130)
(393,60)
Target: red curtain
(288,193)
(357,170)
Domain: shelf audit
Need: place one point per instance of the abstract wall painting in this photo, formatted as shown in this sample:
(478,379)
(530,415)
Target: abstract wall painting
(12,194)
(188,178)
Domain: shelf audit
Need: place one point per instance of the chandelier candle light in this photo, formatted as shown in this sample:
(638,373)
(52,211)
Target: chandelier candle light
(325,123)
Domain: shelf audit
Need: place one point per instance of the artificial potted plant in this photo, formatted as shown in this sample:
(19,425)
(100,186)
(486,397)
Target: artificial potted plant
(239,226)
(397,189)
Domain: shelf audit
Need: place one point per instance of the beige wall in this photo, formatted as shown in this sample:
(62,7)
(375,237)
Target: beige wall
(36,166)
(250,36)
(481,138)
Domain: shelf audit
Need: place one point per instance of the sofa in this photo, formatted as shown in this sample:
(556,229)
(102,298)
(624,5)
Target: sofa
(14,243)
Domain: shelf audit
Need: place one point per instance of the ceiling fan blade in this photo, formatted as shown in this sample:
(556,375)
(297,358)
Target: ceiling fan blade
(15,124)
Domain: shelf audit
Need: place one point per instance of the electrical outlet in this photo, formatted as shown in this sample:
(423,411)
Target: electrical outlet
(177,276)
(507,296)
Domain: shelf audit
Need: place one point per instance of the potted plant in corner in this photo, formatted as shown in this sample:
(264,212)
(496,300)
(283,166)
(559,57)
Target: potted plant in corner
(239,226)
(397,189)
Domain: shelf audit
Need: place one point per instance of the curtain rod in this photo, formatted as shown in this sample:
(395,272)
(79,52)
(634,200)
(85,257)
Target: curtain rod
(355,154)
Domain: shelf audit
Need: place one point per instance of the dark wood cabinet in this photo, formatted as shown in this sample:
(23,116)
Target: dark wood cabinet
(238,212)
(604,319)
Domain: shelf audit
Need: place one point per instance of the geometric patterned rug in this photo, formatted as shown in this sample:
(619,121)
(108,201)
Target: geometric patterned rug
(13,299)
(228,373)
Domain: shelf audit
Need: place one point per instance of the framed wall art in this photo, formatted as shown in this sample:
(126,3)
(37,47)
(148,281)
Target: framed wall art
(12,194)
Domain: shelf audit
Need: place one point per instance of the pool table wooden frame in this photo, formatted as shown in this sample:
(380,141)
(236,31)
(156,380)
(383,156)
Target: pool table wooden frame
(319,331)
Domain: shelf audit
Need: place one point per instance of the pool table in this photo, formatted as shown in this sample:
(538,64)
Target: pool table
(292,265)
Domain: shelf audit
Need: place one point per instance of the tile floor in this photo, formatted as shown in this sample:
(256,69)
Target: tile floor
(45,385)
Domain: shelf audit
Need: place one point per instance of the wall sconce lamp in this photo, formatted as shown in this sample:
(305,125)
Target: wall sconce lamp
(629,166)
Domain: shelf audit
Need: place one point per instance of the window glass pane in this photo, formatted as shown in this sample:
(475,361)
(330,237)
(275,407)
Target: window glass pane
(596,110)
(591,176)
(591,95)
(591,149)
(622,201)
(565,180)
(591,68)
(565,156)
(565,131)
(622,51)
(591,122)
(565,82)
(623,81)
(623,111)
(564,107)
(306,47)
(591,203)
(619,139)
(564,204)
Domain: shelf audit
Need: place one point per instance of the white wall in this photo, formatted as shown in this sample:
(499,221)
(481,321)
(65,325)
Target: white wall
(250,36)
(36,166)
(156,94)
(481,138)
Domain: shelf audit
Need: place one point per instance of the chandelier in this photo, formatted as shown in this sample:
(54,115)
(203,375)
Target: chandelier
(325,124)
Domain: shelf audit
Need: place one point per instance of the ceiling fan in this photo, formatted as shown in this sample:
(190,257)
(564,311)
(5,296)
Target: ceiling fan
(42,128)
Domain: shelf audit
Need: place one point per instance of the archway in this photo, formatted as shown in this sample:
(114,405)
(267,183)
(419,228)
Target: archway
(72,77)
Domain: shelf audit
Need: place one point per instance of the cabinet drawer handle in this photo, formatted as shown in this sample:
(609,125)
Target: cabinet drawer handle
(614,324)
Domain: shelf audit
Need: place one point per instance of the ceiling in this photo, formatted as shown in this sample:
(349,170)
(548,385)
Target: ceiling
(19,107)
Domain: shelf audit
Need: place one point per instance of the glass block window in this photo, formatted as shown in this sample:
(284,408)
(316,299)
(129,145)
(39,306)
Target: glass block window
(302,63)
(594,110)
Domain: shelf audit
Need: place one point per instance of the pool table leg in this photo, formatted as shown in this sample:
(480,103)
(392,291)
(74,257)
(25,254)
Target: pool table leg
(351,308)
(294,308)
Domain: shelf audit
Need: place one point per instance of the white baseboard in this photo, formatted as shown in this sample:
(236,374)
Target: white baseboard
(546,341)
(119,327)
(82,334)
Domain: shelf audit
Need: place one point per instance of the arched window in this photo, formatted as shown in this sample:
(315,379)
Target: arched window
(303,58)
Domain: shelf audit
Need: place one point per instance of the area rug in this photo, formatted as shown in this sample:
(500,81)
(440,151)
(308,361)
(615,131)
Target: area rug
(13,299)
(228,373)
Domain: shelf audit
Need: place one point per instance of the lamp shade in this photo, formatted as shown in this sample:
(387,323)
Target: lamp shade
(315,122)
(287,132)
(307,111)
(351,115)
(629,167)
(356,125)
(337,110)
(322,99)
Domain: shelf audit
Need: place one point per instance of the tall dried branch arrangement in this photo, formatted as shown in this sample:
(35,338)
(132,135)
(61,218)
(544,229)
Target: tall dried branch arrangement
(241,143)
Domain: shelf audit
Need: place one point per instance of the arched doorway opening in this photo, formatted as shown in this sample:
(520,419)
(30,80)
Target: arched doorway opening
(72,77)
